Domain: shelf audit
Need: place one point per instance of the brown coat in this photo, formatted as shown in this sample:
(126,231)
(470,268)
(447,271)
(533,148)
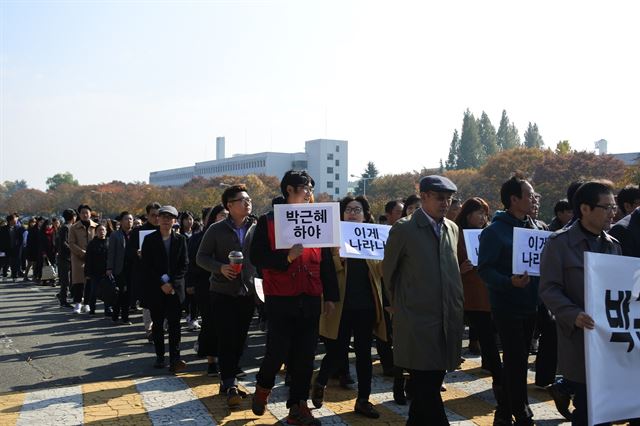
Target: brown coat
(562,291)
(330,324)
(476,295)
(79,238)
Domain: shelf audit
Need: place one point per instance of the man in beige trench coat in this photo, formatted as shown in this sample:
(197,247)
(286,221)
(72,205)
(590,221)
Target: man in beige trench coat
(421,270)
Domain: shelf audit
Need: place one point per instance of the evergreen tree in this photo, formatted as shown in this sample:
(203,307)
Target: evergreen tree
(367,177)
(507,136)
(563,147)
(532,138)
(454,149)
(470,153)
(441,168)
(488,139)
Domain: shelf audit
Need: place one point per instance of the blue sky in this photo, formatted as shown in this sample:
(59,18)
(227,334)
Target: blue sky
(114,90)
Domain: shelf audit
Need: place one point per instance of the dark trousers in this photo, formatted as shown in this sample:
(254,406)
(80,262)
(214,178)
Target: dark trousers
(10,262)
(547,358)
(486,334)
(515,335)
(78,291)
(208,336)
(232,316)
(64,278)
(579,415)
(426,407)
(385,349)
(191,306)
(168,307)
(91,293)
(291,336)
(121,307)
(360,323)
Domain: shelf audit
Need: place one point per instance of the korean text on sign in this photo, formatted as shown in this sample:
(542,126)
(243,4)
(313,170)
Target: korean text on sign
(527,247)
(363,240)
(612,348)
(312,225)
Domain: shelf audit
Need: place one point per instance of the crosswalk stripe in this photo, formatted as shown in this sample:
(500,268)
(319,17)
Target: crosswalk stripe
(112,403)
(168,400)
(52,406)
(208,391)
(10,405)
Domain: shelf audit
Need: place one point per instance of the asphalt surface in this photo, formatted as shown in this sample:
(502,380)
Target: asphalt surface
(43,345)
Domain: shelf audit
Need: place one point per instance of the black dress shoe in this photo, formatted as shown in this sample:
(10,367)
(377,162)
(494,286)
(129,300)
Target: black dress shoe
(177,366)
(159,363)
(561,399)
(365,408)
(398,391)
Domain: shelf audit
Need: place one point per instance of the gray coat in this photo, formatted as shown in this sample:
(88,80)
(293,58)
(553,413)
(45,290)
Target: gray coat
(218,241)
(423,279)
(117,248)
(562,290)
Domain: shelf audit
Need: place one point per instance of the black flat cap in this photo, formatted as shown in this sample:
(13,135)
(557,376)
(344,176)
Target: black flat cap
(437,184)
(170,210)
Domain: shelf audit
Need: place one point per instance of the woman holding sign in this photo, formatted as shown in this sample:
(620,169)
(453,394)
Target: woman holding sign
(473,215)
(359,312)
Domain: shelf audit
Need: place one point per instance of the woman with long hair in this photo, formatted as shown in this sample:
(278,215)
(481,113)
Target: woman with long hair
(474,214)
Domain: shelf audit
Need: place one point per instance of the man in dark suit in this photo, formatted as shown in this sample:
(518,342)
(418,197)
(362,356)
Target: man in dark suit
(164,264)
(627,231)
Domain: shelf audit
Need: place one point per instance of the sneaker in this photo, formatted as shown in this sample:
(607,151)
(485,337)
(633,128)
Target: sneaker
(177,366)
(260,400)
(77,309)
(126,322)
(212,369)
(86,309)
(301,415)
(317,394)
(233,397)
(365,408)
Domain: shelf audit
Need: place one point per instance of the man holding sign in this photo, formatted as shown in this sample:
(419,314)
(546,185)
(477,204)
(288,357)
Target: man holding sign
(562,281)
(294,279)
(513,298)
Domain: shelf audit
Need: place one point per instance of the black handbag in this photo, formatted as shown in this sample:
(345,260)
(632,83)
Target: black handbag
(108,291)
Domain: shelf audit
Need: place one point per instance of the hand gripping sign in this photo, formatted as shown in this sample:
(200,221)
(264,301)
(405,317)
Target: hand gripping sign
(363,240)
(612,349)
(527,247)
(312,225)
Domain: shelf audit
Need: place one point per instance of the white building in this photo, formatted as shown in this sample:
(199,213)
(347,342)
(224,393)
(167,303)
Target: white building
(326,161)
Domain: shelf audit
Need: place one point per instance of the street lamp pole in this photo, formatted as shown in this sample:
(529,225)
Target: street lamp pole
(364,180)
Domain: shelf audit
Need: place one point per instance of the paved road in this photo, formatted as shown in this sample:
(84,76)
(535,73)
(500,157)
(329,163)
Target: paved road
(60,368)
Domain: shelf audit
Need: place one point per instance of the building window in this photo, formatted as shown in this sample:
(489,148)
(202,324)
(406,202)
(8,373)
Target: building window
(337,148)
(337,176)
(329,169)
(337,163)
(329,156)
(329,184)
(337,191)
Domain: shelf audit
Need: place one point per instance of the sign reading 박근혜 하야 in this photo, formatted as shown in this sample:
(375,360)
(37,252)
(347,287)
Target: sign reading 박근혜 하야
(312,225)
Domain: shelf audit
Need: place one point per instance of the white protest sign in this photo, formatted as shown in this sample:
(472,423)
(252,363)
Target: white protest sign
(472,244)
(527,247)
(612,349)
(312,225)
(143,235)
(259,289)
(2,254)
(363,240)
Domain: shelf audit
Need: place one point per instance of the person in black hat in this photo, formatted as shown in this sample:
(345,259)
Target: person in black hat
(164,265)
(423,278)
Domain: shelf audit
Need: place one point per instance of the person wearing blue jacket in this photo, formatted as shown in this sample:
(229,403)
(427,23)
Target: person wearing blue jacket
(513,298)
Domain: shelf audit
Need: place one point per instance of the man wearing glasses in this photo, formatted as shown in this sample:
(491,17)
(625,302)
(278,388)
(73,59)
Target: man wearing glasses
(294,281)
(232,292)
(562,281)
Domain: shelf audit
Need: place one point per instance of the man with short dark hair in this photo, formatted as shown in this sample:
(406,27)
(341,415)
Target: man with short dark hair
(513,298)
(8,247)
(80,234)
(232,292)
(119,267)
(562,281)
(421,271)
(628,199)
(562,214)
(293,281)
(164,264)
(393,211)
(64,256)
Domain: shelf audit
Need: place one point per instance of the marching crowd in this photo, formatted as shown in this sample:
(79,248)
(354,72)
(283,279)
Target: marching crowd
(413,304)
